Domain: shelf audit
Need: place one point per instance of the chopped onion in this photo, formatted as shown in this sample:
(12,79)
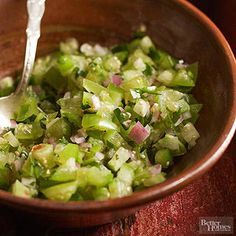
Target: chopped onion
(67,95)
(179,121)
(116,79)
(155,113)
(190,134)
(148,128)
(127,123)
(186,115)
(52,141)
(138,133)
(142,107)
(155,169)
(99,156)
(28,181)
(121,109)
(133,155)
(19,163)
(139,64)
(77,139)
(134,94)
(13,124)
(99,50)
(106,82)
(96,102)
(87,49)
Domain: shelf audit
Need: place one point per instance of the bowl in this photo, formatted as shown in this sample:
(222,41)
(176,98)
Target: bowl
(177,27)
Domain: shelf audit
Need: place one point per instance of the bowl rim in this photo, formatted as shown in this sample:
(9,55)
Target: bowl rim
(169,186)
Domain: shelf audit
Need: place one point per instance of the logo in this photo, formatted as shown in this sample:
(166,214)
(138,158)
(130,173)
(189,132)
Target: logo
(216,225)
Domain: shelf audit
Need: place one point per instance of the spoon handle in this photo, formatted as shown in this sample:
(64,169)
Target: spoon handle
(35,10)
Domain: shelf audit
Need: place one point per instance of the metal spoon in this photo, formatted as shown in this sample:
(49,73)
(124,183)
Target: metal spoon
(9,104)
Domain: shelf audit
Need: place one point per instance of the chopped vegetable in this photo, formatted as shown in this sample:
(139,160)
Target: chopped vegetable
(98,123)
(138,133)
(116,79)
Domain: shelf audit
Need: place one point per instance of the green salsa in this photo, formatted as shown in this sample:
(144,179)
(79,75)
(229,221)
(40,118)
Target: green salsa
(99,123)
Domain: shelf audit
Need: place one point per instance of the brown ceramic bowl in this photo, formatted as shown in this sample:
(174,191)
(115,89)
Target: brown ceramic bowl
(177,27)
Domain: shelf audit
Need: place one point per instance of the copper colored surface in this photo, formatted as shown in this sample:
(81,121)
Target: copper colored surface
(177,27)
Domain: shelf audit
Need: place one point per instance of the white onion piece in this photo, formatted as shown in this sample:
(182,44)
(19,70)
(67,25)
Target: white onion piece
(155,169)
(13,124)
(179,121)
(96,102)
(99,156)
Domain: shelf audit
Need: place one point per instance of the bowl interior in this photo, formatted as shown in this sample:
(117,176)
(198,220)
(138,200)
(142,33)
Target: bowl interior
(112,21)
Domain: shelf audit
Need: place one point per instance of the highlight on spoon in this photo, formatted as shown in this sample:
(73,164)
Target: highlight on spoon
(5,122)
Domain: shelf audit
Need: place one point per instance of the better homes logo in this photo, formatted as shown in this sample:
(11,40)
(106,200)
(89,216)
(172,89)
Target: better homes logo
(216,225)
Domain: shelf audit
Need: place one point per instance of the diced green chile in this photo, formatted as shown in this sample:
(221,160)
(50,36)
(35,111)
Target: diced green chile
(98,123)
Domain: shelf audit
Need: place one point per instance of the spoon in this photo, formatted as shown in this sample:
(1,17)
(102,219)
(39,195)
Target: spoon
(9,104)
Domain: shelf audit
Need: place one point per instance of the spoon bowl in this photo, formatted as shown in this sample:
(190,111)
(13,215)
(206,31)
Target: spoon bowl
(9,104)
(8,107)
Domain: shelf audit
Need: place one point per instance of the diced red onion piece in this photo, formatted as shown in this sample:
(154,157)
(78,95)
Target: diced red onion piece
(138,133)
(155,116)
(155,169)
(13,124)
(116,79)
(67,95)
(77,139)
(52,141)
(19,163)
(127,123)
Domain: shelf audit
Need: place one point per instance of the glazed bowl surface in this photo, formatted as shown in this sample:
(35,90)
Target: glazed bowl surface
(176,26)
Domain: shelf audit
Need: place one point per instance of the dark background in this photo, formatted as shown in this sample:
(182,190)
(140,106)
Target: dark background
(223,13)
(212,195)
